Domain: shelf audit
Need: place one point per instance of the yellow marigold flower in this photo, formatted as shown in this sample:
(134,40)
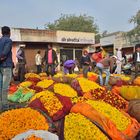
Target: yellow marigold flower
(123,77)
(65,90)
(45,83)
(25,84)
(77,99)
(77,127)
(92,74)
(119,119)
(49,100)
(42,74)
(72,75)
(31,75)
(58,75)
(87,85)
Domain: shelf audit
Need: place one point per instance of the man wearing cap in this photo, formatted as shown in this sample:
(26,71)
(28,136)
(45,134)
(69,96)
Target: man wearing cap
(21,63)
(6,65)
(106,65)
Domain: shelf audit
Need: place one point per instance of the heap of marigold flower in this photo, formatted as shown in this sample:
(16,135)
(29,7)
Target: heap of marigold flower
(64,90)
(72,75)
(45,83)
(31,75)
(123,77)
(87,85)
(50,101)
(117,117)
(77,127)
(25,84)
(17,121)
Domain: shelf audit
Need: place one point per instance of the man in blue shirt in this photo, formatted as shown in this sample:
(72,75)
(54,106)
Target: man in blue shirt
(6,65)
(21,63)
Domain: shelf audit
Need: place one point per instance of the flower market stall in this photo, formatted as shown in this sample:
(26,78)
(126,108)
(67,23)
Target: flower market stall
(70,107)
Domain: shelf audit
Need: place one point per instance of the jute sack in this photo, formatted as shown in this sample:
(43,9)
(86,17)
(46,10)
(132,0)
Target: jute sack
(134,109)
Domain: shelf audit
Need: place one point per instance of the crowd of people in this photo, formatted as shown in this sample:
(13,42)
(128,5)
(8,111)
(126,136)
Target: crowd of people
(99,60)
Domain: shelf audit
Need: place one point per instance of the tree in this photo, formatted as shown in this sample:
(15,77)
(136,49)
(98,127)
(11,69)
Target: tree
(97,38)
(136,20)
(81,23)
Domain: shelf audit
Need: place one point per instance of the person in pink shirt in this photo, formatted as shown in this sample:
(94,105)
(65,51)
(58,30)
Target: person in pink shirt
(51,60)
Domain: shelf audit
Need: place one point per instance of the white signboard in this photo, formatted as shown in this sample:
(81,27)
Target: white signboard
(75,37)
(109,40)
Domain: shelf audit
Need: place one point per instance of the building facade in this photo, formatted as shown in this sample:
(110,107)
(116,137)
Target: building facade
(118,40)
(67,44)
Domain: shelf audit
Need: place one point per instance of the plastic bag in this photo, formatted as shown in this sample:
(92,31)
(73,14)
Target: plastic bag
(76,69)
(45,135)
(16,96)
(130,92)
(26,97)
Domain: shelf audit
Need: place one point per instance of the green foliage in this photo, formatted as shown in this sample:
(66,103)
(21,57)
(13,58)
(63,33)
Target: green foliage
(136,19)
(81,23)
(97,38)
(134,34)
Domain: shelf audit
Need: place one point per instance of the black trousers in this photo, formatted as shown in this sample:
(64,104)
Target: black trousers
(21,72)
(39,69)
(50,69)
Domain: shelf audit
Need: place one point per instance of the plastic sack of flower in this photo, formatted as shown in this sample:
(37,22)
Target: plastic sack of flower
(15,96)
(25,97)
(45,135)
(12,89)
(129,132)
(56,106)
(130,92)
(134,109)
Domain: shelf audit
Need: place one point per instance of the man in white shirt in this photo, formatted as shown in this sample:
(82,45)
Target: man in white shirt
(38,61)
(119,61)
(136,59)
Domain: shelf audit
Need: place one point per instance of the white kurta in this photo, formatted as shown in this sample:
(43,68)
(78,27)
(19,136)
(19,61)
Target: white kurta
(119,62)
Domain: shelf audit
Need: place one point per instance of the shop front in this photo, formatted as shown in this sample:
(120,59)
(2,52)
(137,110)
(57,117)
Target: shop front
(68,45)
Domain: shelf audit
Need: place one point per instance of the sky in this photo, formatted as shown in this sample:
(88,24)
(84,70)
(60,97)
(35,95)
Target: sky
(110,15)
